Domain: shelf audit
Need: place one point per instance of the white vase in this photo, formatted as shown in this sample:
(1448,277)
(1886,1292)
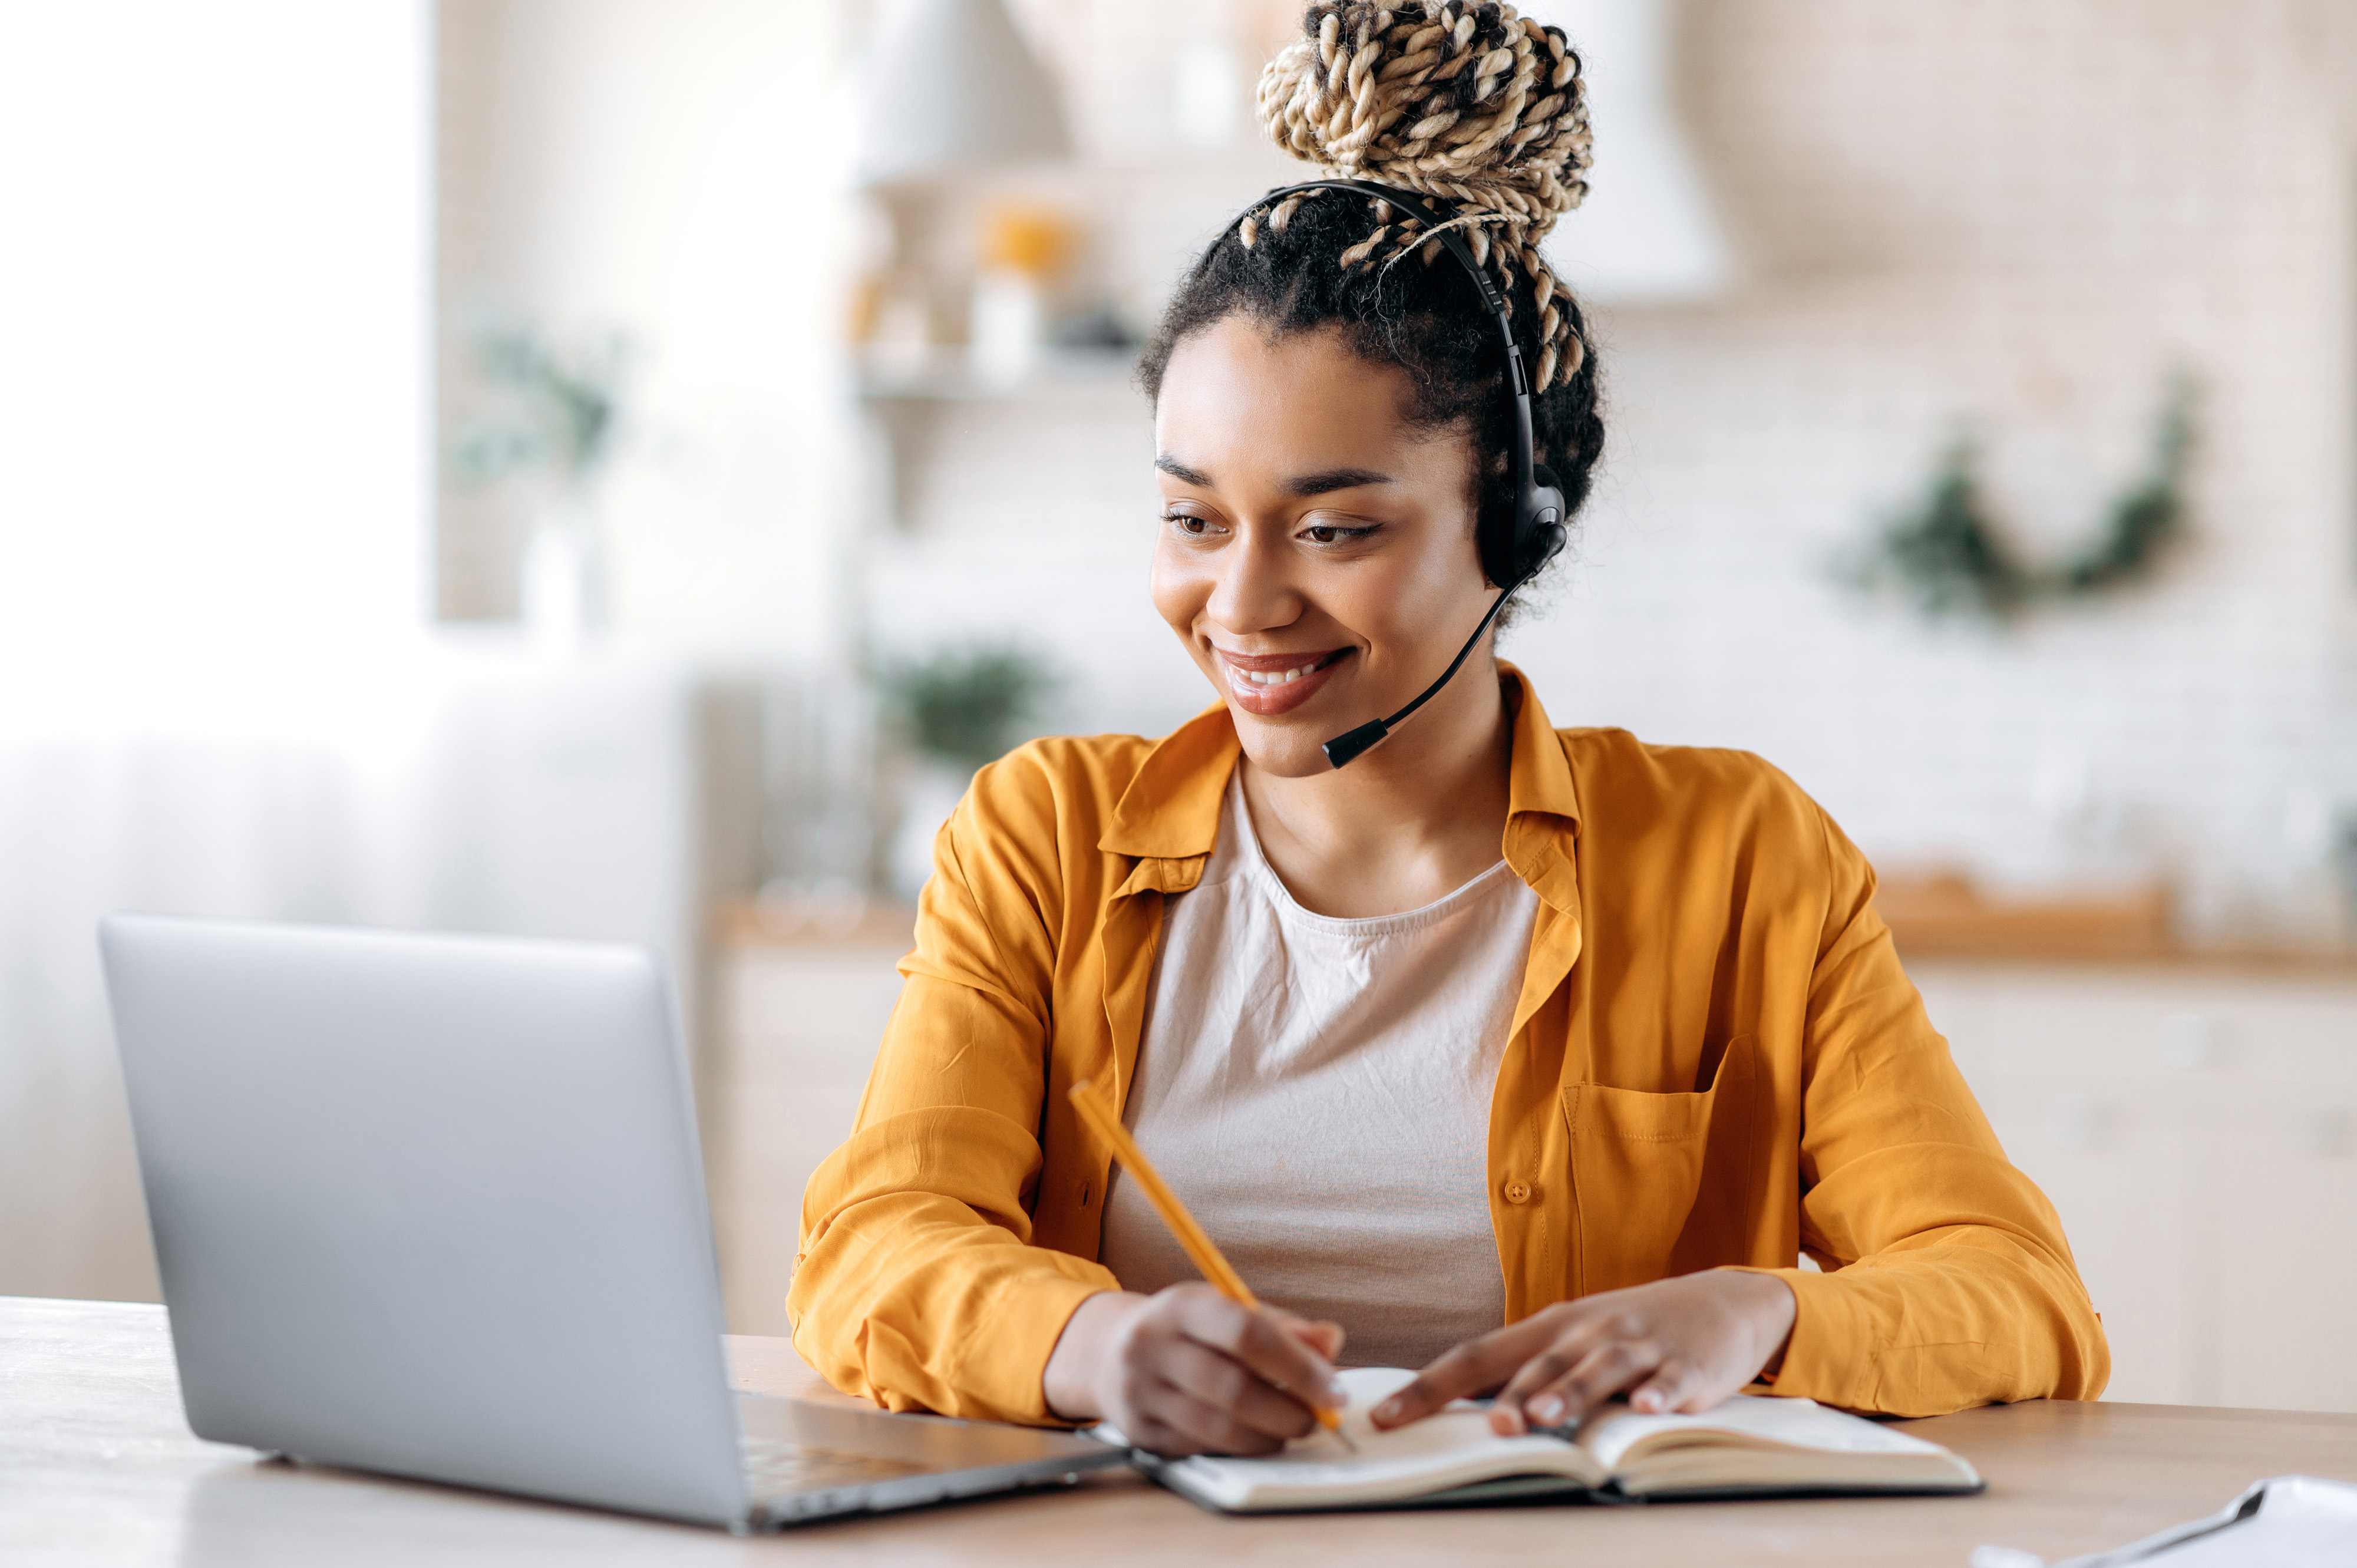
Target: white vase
(1007,324)
(563,580)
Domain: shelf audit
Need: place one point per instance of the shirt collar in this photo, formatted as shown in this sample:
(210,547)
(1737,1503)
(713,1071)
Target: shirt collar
(1541,802)
(1540,779)
(1171,809)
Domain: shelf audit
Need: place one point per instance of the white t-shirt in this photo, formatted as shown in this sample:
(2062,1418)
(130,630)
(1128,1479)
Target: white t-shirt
(1317,1092)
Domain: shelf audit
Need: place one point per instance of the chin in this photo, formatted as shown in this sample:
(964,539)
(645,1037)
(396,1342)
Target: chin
(1283,748)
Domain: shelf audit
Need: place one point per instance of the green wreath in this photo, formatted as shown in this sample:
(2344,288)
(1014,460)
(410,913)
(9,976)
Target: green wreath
(1948,557)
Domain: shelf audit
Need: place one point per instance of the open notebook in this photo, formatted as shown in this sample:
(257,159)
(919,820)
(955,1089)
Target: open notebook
(1750,1446)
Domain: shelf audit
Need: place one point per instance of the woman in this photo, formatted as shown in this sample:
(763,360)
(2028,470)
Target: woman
(1535,1058)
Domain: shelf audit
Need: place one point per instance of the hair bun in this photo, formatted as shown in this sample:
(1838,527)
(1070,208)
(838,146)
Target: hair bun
(1473,102)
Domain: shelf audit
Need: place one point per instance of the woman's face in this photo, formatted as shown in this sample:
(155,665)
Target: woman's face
(1316,554)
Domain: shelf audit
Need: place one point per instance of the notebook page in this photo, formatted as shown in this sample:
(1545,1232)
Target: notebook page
(1446,1434)
(1451,1444)
(1793,1422)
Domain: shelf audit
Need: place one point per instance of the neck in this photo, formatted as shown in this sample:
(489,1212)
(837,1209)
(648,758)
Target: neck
(1414,819)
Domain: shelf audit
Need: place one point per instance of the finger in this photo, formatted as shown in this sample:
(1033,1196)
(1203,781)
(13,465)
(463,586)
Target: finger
(1603,1372)
(1227,1385)
(1156,1437)
(1582,1329)
(1473,1367)
(1324,1337)
(1509,1414)
(1677,1384)
(1185,1424)
(1271,1352)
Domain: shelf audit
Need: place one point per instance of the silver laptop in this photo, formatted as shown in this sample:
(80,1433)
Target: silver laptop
(433,1206)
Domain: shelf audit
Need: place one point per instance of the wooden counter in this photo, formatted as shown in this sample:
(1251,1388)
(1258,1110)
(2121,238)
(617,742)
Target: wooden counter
(1947,916)
(98,1469)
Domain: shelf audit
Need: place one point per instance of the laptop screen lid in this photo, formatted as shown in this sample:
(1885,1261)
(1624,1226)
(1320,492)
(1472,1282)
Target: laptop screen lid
(431,1206)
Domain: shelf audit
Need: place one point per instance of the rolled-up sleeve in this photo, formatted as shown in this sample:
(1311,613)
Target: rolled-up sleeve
(917,1282)
(1948,1281)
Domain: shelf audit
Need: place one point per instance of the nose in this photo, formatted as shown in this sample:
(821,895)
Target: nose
(1254,590)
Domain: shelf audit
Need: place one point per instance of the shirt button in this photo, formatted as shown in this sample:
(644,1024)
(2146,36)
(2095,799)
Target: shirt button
(1518,1192)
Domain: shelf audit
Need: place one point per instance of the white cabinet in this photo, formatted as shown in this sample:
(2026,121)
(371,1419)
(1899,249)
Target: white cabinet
(801,1026)
(2198,1131)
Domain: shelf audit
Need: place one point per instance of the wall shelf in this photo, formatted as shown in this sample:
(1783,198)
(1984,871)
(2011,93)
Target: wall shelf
(903,397)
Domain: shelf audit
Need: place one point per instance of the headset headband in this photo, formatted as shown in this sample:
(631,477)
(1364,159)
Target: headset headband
(1429,208)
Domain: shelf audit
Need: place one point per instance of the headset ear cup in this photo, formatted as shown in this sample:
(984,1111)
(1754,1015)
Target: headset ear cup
(1550,541)
(1496,559)
(1539,532)
(1497,538)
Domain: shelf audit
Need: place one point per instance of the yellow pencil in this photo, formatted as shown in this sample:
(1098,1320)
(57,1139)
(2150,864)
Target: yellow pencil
(1206,1256)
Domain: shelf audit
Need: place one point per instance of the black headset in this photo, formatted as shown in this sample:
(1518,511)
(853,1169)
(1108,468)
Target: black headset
(1513,549)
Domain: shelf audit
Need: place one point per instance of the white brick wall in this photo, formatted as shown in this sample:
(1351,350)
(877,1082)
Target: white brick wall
(2018,213)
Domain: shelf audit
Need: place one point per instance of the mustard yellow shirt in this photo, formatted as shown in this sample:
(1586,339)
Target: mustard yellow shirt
(1716,1061)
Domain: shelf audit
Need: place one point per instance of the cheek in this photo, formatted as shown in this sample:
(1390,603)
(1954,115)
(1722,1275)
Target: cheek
(1179,588)
(1404,597)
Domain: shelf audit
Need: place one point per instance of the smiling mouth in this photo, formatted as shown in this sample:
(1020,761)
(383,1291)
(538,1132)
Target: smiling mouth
(1309,665)
(1272,684)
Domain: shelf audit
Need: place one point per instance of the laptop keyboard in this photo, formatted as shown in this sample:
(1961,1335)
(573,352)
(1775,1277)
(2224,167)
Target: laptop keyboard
(777,1468)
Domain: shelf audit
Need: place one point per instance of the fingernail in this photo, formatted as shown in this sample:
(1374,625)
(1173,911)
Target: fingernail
(1389,1410)
(1547,1408)
(1646,1399)
(1337,1392)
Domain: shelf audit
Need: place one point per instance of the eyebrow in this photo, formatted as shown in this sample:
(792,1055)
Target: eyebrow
(1335,480)
(1315,483)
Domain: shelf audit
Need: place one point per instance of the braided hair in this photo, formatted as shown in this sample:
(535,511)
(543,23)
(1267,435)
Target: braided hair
(1469,102)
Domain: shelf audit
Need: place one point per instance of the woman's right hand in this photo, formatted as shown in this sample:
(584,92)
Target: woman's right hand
(1186,1370)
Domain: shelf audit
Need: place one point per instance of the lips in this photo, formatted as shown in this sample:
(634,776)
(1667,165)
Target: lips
(1272,684)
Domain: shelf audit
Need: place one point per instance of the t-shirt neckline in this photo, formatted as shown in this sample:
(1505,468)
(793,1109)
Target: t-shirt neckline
(1237,811)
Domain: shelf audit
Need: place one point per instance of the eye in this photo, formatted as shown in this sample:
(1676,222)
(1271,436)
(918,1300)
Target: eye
(1190,526)
(1335,533)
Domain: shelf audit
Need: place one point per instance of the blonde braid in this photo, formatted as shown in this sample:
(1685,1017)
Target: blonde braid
(1472,102)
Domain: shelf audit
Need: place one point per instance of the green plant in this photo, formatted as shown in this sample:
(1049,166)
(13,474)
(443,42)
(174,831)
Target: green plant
(1949,558)
(965,706)
(556,408)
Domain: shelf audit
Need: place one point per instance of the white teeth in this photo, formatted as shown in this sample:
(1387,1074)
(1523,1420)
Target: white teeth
(1293,675)
(1276,677)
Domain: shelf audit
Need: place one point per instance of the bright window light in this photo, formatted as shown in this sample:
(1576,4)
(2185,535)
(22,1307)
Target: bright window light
(213,340)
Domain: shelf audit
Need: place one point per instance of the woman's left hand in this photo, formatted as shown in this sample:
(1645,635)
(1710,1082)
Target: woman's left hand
(1674,1344)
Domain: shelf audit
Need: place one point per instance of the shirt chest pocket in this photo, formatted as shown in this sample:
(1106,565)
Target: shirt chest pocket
(1661,1184)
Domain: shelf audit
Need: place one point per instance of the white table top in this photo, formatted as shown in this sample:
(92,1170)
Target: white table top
(97,1467)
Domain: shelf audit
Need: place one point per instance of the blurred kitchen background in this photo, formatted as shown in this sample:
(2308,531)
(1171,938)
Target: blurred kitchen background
(612,467)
